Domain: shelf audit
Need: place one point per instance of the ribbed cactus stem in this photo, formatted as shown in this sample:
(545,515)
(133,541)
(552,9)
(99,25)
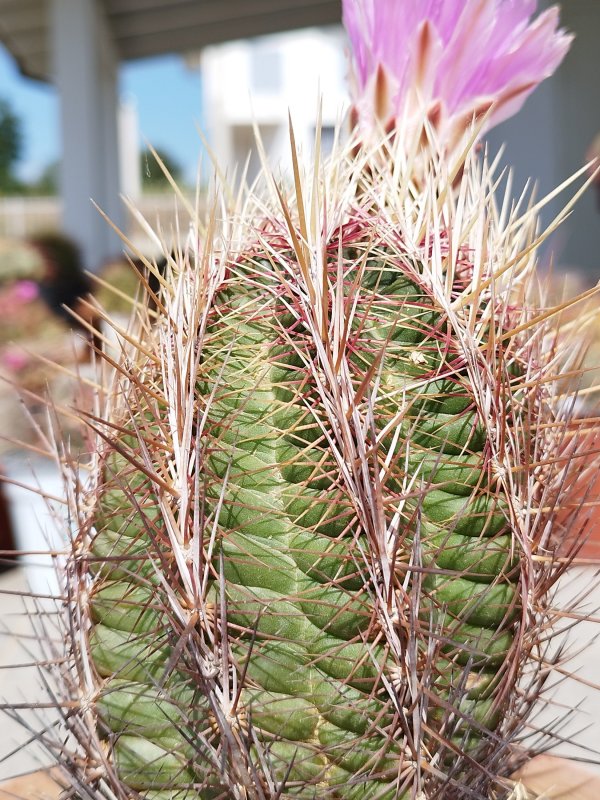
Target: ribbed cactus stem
(309,548)
(333,475)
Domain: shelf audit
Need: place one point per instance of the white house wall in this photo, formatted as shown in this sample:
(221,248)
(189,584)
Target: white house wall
(310,66)
(548,140)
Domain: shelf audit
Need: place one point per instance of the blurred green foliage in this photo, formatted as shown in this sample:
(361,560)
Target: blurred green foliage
(11,142)
(153,176)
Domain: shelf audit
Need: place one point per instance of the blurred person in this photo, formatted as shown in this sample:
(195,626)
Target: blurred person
(151,279)
(59,281)
(64,286)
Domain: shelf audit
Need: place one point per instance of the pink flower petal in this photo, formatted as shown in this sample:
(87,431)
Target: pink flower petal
(452,56)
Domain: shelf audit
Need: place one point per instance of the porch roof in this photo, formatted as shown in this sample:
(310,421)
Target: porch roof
(142,28)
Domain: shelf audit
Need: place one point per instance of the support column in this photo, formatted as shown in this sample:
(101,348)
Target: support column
(85,74)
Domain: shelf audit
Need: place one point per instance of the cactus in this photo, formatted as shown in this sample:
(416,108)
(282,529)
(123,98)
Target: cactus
(316,553)
(317,550)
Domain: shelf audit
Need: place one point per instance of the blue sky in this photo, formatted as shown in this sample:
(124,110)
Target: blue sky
(166,93)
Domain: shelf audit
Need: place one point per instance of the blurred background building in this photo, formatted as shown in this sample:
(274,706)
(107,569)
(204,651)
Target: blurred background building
(258,81)
(80,45)
(83,47)
(549,139)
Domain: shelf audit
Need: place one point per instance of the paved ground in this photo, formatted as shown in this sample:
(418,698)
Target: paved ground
(23,684)
(19,643)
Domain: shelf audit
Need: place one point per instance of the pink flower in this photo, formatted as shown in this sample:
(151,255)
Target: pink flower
(25,291)
(450,59)
(13,358)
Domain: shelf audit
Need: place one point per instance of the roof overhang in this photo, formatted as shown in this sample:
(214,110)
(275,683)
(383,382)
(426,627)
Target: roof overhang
(143,28)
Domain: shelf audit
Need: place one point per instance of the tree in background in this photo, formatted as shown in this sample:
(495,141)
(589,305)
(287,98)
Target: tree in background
(47,182)
(153,177)
(11,141)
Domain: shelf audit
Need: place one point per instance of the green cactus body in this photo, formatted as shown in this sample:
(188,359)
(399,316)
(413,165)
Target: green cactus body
(333,476)
(289,622)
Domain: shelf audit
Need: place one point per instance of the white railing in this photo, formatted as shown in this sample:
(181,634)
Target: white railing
(23,216)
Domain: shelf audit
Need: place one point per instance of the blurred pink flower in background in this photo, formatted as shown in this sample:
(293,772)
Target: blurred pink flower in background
(13,358)
(452,60)
(14,297)
(17,315)
(25,291)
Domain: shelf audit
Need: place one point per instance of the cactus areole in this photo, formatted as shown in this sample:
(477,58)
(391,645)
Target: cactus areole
(315,556)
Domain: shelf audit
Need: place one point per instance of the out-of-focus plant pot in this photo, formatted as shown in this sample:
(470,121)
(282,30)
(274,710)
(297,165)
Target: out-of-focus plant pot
(35,786)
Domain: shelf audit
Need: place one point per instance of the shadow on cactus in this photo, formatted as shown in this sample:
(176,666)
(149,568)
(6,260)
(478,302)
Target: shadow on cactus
(336,478)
